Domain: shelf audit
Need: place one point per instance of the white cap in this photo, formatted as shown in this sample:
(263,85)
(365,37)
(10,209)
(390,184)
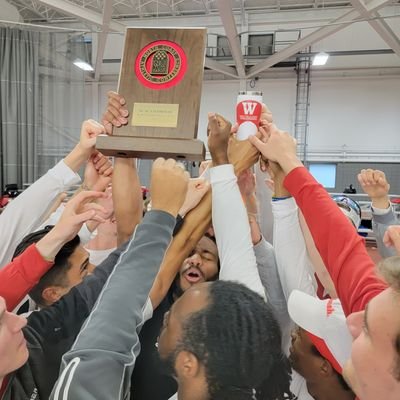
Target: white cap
(325,322)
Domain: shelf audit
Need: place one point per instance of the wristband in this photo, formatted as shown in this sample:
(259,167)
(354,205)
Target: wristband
(280,198)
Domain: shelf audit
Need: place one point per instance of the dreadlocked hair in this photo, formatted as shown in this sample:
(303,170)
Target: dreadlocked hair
(238,340)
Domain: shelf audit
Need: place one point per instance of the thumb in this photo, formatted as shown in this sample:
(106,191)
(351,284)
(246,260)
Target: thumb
(212,121)
(203,187)
(80,219)
(256,142)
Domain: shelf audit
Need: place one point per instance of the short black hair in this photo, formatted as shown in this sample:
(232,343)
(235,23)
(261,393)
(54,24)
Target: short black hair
(238,340)
(56,275)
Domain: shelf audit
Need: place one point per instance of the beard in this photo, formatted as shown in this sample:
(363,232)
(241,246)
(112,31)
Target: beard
(167,364)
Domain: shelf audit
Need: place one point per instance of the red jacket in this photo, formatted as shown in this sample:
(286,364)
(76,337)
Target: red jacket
(343,251)
(19,276)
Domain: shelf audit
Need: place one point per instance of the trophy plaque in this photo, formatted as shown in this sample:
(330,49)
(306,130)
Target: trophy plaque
(161,80)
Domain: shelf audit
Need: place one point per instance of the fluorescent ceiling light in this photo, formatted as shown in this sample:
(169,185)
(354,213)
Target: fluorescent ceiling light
(83,65)
(320,59)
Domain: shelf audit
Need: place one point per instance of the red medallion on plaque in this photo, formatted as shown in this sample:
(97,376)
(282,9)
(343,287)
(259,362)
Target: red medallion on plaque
(161,65)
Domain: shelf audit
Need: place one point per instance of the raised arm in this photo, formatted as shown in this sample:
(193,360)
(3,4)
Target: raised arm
(342,250)
(25,214)
(240,153)
(291,255)
(375,185)
(127,197)
(118,313)
(25,271)
(229,215)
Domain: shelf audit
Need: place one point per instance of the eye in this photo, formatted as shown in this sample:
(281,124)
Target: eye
(207,256)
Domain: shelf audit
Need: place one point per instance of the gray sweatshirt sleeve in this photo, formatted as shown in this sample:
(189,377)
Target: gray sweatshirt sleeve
(268,270)
(100,363)
(379,225)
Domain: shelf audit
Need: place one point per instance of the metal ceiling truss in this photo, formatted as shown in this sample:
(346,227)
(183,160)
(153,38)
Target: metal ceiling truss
(379,25)
(338,24)
(100,12)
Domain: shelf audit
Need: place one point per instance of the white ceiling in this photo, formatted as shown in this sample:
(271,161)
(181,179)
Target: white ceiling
(36,11)
(231,18)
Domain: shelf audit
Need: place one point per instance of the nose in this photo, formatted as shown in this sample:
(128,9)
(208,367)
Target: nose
(16,322)
(195,260)
(355,323)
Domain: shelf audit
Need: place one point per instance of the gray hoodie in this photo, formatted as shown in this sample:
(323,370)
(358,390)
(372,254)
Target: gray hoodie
(100,363)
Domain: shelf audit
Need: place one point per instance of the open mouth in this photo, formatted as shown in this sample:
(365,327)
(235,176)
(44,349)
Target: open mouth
(193,275)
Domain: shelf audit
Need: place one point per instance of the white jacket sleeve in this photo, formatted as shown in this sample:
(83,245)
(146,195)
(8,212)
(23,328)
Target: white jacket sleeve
(232,230)
(294,266)
(25,213)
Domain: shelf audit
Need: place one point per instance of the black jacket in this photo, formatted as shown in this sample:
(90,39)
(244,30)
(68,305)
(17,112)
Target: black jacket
(51,332)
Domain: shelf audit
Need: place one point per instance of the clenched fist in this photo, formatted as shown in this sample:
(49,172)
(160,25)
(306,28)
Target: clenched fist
(169,184)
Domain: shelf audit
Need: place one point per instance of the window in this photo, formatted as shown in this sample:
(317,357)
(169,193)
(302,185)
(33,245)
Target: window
(325,174)
(223,49)
(260,45)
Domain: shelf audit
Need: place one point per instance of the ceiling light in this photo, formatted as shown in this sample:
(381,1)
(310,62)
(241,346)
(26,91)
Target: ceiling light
(320,59)
(83,65)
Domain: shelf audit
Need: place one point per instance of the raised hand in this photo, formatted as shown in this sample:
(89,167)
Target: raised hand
(219,133)
(392,238)
(116,113)
(375,185)
(196,190)
(278,146)
(98,172)
(241,153)
(89,132)
(77,212)
(169,185)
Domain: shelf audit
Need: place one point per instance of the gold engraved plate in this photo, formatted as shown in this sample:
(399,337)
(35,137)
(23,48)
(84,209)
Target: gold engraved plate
(155,115)
(160,63)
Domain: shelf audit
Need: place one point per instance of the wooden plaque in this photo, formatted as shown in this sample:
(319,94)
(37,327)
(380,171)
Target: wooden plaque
(161,79)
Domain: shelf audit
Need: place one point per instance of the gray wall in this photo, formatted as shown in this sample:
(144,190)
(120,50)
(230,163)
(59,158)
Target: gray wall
(346,174)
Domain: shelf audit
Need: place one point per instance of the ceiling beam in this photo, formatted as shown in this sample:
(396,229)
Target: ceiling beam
(206,6)
(321,33)
(102,37)
(82,13)
(379,25)
(228,20)
(220,67)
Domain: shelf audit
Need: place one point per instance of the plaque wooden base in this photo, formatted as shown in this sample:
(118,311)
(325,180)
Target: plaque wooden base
(161,80)
(131,146)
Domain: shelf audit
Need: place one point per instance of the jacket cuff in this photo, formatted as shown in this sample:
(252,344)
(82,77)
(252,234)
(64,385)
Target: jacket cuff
(161,218)
(32,253)
(283,207)
(65,174)
(386,219)
(222,173)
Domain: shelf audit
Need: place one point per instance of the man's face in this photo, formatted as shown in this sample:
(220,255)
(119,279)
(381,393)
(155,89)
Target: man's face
(193,300)
(200,266)
(370,370)
(80,267)
(304,358)
(13,350)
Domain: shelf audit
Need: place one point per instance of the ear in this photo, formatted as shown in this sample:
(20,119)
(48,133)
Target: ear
(326,368)
(51,294)
(187,365)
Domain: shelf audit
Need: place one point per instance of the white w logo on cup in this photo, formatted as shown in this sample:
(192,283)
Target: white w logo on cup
(249,107)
